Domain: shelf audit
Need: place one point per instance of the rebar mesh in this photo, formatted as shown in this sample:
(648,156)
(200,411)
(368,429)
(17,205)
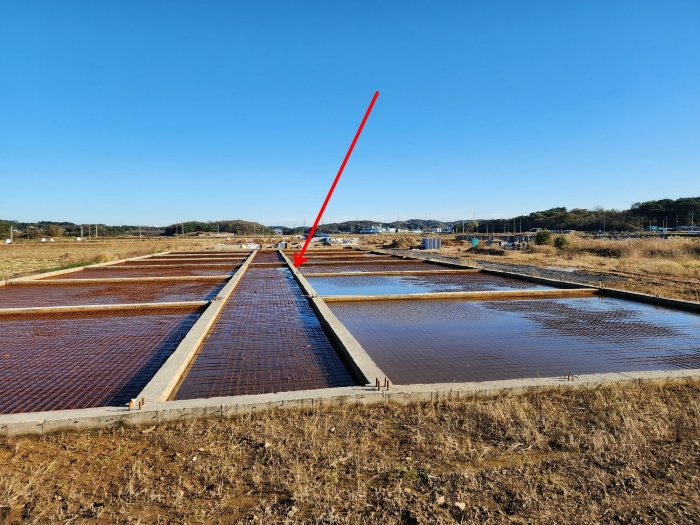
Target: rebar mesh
(28,295)
(175,263)
(82,360)
(266,339)
(447,341)
(267,257)
(109,272)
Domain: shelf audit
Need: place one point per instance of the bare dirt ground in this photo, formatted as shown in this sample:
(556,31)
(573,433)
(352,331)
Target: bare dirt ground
(624,454)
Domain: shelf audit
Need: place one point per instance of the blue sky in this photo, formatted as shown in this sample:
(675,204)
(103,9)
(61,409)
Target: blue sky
(155,112)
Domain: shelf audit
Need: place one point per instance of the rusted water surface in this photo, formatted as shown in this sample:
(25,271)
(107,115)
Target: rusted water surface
(266,339)
(83,360)
(176,263)
(114,273)
(403,284)
(372,267)
(454,341)
(267,257)
(69,294)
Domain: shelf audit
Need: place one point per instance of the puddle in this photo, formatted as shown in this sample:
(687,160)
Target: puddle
(460,341)
(405,284)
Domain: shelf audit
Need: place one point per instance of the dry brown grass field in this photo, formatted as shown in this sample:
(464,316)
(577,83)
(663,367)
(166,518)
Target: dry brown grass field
(30,257)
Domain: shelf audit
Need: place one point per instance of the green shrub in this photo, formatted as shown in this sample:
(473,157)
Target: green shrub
(561,242)
(543,236)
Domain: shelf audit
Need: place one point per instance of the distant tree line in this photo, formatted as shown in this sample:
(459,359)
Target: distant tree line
(234,227)
(32,230)
(640,215)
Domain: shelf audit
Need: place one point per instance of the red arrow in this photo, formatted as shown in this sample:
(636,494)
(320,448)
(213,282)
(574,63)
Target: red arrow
(299,258)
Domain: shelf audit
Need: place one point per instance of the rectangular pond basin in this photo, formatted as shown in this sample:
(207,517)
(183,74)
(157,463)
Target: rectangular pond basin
(406,284)
(447,341)
(266,339)
(110,272)
(360,267)
(26,295)
(82,360)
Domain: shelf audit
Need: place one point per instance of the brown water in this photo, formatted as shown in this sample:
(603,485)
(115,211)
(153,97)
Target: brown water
(70,293)
(86,359)
(455,341)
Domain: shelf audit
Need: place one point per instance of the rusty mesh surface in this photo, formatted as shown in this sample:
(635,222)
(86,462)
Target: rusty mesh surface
(267,257)
(266,339)
(174,263)
(19,296)
(307,268)
(82,360)
(455,341)
(115,273)
(210,252)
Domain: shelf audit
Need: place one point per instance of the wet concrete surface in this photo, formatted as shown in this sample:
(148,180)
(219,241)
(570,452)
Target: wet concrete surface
(33,295)
(82,360)
(266,339)
(459,341)
(405,284)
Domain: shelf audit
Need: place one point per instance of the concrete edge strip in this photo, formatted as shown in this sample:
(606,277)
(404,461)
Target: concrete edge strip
(154,413)
(166,379)
(398,272)
(476,296)
(77,269)
(175,278)
(362,365)
(100,307)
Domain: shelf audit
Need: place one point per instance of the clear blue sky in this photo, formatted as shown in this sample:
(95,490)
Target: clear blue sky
(158,111)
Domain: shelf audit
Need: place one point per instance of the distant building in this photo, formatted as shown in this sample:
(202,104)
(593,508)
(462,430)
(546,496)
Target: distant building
(373,229)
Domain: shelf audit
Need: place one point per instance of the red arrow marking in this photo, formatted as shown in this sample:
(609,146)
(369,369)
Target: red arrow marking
(299,258)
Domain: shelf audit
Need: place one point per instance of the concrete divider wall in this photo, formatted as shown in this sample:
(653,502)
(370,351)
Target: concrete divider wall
(165,381)
(163,412)
(361,364)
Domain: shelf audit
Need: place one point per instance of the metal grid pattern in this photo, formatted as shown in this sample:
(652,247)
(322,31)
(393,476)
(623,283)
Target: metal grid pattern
(267,257)
(28,295)
(109,272)
(83,360)
(404,284)
(151,262)
(454,341)
(373,267)
(266,339)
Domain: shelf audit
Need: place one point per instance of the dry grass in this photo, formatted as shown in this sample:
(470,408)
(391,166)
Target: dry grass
(622,454)
(26,258)
(664,267)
